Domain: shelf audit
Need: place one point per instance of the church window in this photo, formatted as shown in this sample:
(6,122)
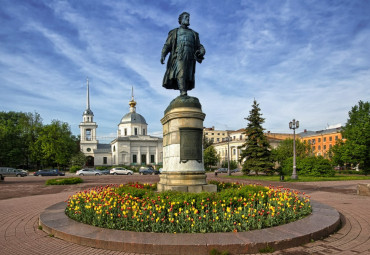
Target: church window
(105,160)
(88,149)
(114,148)
(143,131)
(88,134)
(135,130)
(134,159)
(125,131)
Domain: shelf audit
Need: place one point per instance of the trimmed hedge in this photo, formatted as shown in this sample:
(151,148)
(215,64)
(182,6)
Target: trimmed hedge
(64,181)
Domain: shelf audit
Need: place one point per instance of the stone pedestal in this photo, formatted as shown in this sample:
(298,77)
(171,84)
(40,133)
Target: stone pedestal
(183,168)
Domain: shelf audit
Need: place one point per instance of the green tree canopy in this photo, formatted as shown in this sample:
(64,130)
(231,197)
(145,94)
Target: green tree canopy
(18,133)
(57,144)
(210,157)
(256,149)
(356,148)
(285,150)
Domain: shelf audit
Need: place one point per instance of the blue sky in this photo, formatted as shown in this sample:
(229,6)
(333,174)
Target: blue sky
(307,60)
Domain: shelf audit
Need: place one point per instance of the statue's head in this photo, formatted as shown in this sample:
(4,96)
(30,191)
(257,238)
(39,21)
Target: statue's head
(181,17)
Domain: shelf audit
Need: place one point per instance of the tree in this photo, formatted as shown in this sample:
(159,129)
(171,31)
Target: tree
(356,148)
(206,142)
(18,132)
(309,166)
(233,164)
(78,159)
(256,153)
(285,150)
(57,144)
(210,157)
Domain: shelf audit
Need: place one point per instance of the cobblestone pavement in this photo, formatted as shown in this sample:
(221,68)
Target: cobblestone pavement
(20,233)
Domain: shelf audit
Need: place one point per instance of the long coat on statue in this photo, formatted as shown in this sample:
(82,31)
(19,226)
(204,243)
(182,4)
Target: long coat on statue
(187,67)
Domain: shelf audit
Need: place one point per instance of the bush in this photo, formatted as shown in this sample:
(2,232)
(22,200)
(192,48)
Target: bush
(351,172)
(103,167)
(64,181)
(309,166)
(74,169)
(233,164)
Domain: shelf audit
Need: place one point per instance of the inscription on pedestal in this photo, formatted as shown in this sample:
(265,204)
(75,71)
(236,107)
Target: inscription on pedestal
(191,144)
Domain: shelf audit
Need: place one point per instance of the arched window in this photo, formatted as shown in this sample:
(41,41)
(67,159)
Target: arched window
(88,135)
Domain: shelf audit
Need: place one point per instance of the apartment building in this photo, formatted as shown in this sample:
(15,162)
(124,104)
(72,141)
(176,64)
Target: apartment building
(321,141)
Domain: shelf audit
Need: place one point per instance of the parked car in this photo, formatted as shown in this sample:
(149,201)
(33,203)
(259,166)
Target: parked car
(11,172)
(105,171)
(221,170)
(49,172)
(146,170)
(235,170)
(24,172)
(120,170)
(87,171)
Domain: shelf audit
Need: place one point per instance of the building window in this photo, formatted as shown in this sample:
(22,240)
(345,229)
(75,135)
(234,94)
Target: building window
(206,133)
(336,137)
(88,134)
(330,138)
(105,160)
(213,133)
(134,159)
(114,148)
(125,131)
(313,148)
(234,137)
(313,141)
(212,139)
(319,147)
(330,146)
(143,131)
(135,130)
(324,147)
(324,139)
(152,159)
(88,149)
(218,139)
(223,139)
(218,133)
(234,151)
(241,137)
(319,139)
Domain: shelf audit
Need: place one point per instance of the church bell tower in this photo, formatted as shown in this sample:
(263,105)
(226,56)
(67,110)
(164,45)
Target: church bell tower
(88,142)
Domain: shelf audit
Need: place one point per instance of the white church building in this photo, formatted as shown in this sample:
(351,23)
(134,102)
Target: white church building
(132,146)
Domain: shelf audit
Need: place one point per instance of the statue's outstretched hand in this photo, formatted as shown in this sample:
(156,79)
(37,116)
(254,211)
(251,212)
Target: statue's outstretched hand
(162,60)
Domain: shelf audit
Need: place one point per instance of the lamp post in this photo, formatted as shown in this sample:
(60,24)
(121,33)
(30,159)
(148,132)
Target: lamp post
(228,154)
(293,125)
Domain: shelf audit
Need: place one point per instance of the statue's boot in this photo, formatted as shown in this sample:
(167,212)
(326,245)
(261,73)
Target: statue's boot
(183,91)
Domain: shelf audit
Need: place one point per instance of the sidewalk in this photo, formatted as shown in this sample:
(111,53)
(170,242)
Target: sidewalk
(20,233)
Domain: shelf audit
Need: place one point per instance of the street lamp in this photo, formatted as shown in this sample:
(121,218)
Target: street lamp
(293,125)
(228,154)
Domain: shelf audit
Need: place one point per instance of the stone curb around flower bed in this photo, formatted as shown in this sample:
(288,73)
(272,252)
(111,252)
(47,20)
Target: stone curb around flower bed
(323,221)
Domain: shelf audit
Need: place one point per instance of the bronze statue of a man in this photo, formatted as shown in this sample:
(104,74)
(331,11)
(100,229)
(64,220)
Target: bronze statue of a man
(185,48)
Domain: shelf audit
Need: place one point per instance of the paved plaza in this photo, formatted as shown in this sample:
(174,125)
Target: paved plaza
(23,199)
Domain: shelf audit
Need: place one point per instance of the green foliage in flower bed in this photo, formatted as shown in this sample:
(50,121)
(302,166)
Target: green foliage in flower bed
(64,181)
(234,208)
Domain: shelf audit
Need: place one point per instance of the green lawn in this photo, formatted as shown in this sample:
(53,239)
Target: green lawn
(338,177)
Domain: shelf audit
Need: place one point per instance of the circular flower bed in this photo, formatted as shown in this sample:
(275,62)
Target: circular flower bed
(235,207)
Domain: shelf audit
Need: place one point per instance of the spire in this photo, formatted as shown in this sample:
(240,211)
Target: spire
(88,95)
(132,103)
(88,111)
